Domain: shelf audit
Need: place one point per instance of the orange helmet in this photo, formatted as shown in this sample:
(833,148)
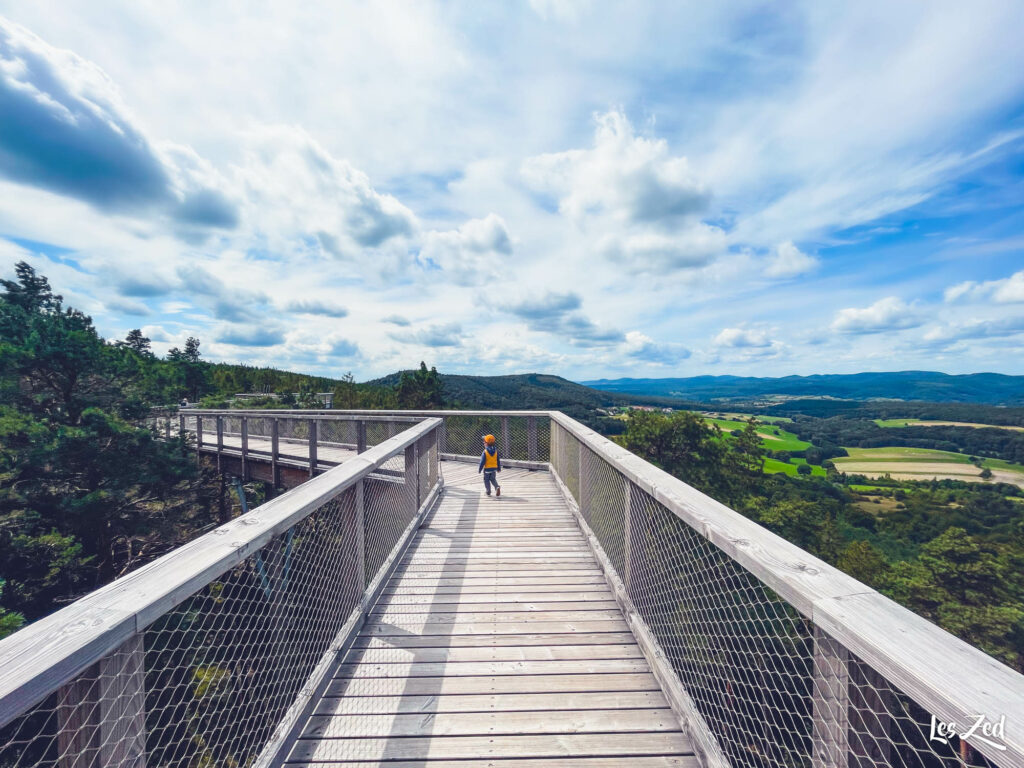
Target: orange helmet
(489,439)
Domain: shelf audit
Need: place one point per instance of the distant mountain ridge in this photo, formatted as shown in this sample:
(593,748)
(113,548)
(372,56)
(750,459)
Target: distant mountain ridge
(928,386)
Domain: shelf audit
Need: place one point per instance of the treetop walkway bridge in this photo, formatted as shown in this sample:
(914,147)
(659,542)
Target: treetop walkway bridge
(384,612)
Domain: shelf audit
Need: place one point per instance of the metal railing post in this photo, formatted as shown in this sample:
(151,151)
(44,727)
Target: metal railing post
(628,540)
(199,438)
(220,440)
(275,467)
(531,438)
(361,533)
(101,714)
(360,436)
(506,444)
(410,471)
(831,720)
(181,424)
(245,449)
(581,482)
(312,447)
(167,428)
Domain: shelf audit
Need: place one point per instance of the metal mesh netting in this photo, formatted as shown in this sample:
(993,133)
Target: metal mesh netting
(225,431)
(772,689)
(523,438)
(210,681)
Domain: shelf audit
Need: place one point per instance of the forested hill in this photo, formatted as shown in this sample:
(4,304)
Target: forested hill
(928,386)
(524,392)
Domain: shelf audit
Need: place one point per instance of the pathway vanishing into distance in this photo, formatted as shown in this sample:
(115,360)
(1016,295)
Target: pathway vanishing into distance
(496,642)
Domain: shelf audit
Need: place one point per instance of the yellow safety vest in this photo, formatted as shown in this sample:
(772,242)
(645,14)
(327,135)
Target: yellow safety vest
(491,459)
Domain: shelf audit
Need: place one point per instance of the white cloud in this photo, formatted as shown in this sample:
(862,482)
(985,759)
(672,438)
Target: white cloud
(297,189)
(1009,290)
(789,261)
(625,176)
(644,349)
(888,314)
(472,254)
(742,338)
(654,252)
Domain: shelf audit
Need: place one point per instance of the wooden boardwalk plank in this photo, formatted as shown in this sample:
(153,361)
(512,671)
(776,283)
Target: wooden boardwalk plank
(623,745)
(414,686)
(495,653)
(491,723)
(405,627)
(463,641)
(483,702)
(492,668)
(661,761)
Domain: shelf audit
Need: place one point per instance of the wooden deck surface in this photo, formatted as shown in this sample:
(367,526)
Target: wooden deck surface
(496,643)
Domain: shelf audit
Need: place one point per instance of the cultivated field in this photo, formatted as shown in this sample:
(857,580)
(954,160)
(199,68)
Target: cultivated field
(924,464)
(773,437)
(922,423)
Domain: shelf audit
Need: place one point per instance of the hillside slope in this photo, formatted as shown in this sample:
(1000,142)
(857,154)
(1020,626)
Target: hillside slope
(519,392)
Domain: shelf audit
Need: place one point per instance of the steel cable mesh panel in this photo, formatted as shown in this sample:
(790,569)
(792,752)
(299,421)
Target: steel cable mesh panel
(604,497)
(224,666)
(744,655)
(220,670)
(567,461)
(464,435)
(260,426)
(774,690)
(338,432)
(379,431)
(390,507)
(87,722)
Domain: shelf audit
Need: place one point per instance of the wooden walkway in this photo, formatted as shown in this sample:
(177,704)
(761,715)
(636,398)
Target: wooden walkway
(295,450)
(496,643)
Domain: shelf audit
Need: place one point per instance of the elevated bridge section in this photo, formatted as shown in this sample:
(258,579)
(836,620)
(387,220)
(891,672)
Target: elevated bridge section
(384,612)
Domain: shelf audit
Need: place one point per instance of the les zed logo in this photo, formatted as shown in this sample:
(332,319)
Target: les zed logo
(981,729)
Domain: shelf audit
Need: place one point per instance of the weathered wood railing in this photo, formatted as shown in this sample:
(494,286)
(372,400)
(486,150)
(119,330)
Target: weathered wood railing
(209,654)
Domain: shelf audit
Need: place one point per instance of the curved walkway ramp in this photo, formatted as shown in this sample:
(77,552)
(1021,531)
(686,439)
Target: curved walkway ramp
(497,642)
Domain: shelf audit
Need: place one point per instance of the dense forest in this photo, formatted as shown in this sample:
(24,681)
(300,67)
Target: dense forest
(948,550)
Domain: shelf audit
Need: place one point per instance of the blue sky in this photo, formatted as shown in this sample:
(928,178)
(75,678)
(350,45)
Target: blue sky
(583,188)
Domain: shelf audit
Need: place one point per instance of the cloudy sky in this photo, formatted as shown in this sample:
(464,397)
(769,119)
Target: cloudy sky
(582,188)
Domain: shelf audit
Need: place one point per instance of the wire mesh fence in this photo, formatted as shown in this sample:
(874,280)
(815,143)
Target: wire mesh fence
(210,681)
(519,437)
(771,688)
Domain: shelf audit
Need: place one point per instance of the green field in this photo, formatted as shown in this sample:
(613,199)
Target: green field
(896,422)
(895,453)
(774,466)
(773,437)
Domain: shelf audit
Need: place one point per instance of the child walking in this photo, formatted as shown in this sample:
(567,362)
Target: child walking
(490,465)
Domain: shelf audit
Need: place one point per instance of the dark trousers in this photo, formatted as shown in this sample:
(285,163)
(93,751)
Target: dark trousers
(490,478)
